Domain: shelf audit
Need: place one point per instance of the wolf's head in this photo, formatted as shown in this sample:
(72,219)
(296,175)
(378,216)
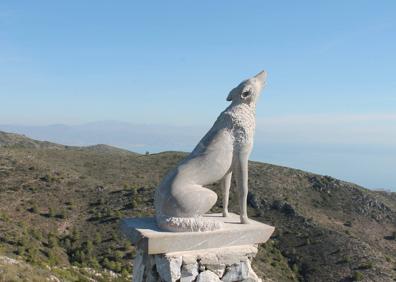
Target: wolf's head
(248,91)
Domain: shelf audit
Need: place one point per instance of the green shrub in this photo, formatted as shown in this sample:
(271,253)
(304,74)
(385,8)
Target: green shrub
(32,254)
(295,268)
(51,212)
(98,238)
(52,241)
(53,257)
(368,265)
(34,209)
(346,259)
(90,248)
(357,276)
(348,223)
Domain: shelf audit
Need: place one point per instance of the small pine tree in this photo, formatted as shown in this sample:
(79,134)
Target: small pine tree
(295,268)
(134,204)
(125,273)
(75,235)
(52,240)
(34,209)
(21,251)
(357,276)
(118,255)
(98,238)
(67,244)
(94,263)
(90,248)
(53,257)
(51,212)
(32,254)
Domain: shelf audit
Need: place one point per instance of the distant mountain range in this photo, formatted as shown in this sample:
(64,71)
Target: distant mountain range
(60,206)
(368,165)
(130,136)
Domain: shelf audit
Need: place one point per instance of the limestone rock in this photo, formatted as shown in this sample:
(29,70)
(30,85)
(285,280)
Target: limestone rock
(252,276)
(228,256)
(169,268)
(151,271)
(218,269)
(189,272)
(138,267)
(202,267)
(241,272)
(236,272)
(208,276)
(189,258)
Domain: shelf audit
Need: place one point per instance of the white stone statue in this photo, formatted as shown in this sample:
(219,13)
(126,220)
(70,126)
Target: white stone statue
(181,199)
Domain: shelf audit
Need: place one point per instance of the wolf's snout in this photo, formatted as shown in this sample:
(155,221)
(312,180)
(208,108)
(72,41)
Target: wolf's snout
(261,76)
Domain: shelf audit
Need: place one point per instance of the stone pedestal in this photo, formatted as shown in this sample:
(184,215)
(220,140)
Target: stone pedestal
(222,255)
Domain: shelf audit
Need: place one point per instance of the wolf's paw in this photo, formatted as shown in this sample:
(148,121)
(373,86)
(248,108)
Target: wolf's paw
(245,220)
(188,224)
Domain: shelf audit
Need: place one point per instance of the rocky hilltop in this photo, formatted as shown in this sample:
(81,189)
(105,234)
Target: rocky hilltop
(60,207)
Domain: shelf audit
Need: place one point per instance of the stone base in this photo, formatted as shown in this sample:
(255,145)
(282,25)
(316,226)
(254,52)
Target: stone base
(220,264)
(221,255)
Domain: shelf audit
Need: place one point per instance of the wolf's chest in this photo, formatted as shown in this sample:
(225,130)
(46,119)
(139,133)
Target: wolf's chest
(243,124)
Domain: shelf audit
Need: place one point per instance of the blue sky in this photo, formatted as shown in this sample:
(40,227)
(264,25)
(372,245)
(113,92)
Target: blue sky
(331,64)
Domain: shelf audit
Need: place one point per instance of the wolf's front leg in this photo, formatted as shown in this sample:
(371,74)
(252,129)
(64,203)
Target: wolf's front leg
(241,177)
(225,186)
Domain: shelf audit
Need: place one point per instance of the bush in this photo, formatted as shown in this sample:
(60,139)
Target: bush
(89,248)
(295,268)
(357,276)
(368,265)
(52,241)
(98,238)
(21,251)
(53,258)
(346,259)
(34,209)
(348,223)
(32,254)
(94,263)
(51,212)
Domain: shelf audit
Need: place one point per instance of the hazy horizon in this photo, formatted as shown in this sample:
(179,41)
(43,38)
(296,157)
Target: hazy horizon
(362,164)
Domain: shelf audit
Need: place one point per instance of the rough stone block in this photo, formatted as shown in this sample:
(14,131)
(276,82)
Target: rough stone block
(169,268)
(218,269)
(208,276)
(189,272)
(138,267)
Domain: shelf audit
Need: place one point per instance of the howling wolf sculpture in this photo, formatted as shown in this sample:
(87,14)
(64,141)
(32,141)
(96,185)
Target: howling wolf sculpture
(181,199)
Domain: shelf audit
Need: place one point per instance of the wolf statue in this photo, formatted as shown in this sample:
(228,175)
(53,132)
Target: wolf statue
(181,199)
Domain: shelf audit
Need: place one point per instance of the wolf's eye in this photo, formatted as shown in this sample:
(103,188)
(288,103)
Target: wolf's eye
(245,94)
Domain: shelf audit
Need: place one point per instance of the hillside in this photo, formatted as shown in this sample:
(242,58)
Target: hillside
(60,206)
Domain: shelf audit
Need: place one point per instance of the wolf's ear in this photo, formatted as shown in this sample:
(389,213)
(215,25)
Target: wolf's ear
(232,94)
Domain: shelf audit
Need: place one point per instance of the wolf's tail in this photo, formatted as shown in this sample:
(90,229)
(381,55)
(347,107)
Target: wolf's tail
(188,224)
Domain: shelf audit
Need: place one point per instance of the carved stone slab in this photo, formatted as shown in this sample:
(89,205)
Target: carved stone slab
(146,235)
